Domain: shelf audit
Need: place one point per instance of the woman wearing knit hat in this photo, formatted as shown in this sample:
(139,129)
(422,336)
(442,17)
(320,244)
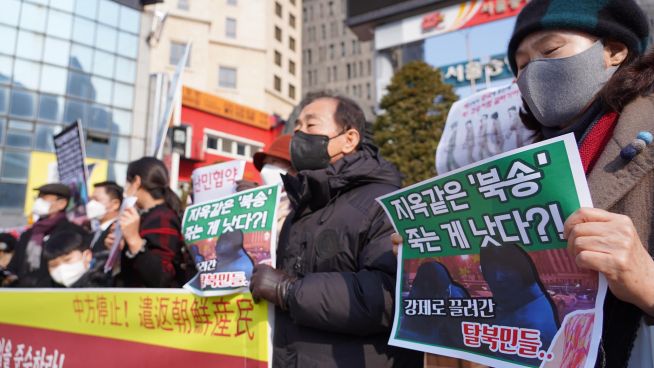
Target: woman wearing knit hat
(581,69)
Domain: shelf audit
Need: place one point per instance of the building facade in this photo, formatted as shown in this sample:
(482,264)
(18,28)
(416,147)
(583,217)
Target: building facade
(334,58)
(63,60)
(246,51)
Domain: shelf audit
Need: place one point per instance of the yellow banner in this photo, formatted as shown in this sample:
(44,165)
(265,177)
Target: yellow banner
(231,325)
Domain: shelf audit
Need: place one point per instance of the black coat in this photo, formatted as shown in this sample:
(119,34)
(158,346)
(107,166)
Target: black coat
(337,241)
(39,277)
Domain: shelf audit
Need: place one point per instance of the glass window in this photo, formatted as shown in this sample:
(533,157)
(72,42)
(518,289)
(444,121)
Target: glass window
(123,95)
(84,31)
(12,195)
(212,142)
(29,45)
(278,9)
(240,149)
(79,85)
(56,51)
(291,20)
(291,43)
(76,110)
(278,34)
(102,90)
(117,172)
(227,77)
(108,12)
(53,79)
(59,24)
(130,19)
(32,17)
(125,70)
(291,67)
(97,146)
(65,5)
(232,2)
(44,135)
(230,28)
(128,45)
(119,148)
(278,84)
(106,38)
(104,64)
(19,134)
(81,57)
(2,129)
(22,103)
(291,91)
(87,8)
(278,58)
(15,165)
(177,52)
(8,37)
(4,98)
(26,73)
(100,118)
(227,145)
(50,107)
(122,122)
(6,69)
(10,12)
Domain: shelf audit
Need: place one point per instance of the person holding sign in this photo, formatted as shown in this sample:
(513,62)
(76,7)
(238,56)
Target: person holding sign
(153,254)
(580,69)
(335,277)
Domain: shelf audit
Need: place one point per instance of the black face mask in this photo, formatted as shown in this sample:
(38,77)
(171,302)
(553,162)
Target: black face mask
(309,151)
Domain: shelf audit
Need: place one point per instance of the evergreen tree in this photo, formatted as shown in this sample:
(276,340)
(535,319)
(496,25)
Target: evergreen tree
(415,109)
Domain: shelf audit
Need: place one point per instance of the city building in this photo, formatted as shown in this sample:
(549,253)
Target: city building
(334,59)
(245,51)
(467,40)
(63,60)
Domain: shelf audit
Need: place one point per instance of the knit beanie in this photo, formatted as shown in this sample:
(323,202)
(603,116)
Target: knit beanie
(619,20)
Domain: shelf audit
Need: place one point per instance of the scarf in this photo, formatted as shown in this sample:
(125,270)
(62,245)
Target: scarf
(40,229)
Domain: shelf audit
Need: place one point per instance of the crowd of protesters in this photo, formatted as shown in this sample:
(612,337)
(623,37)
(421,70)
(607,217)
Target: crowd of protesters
(582,67)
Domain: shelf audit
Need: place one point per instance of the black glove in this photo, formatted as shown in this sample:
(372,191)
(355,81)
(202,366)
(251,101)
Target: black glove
(271,284)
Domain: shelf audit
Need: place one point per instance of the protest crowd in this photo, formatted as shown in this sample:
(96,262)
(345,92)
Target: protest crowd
(581,66)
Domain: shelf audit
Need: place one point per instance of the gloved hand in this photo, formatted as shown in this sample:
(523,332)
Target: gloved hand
(271,284)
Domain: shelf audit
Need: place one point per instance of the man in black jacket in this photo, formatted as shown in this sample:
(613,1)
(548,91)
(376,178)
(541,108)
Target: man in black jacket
(103,210)
(334,283)
(28,267)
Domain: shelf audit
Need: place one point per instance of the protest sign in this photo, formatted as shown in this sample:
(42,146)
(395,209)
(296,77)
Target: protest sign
(484,273)
(130,327)
(480,126)
(216,181)
(228,236)
(69,149)
(114,252)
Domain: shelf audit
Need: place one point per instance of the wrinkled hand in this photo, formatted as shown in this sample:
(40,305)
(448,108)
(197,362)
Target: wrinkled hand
(242,185)
(396,239)
(129,225)
(271,284)
(608,243)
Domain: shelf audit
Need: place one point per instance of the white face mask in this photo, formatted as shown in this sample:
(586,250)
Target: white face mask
(68,273)
(95,210)
(41,207)
(272,174)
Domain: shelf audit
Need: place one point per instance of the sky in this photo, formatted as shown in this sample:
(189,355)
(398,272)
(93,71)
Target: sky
(485,40)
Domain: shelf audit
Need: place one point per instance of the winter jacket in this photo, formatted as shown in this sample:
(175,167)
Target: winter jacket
(337,242)
(625,187)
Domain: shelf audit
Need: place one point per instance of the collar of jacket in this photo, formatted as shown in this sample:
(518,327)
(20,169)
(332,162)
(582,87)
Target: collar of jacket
(613,177)
(314,189)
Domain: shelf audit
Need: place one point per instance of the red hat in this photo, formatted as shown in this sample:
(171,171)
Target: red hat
(280,148)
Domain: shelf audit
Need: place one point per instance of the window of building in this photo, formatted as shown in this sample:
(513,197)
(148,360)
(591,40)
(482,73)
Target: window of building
(309,56)
(368,91)
(230,28)
(278,9)
(177,52)
(349,71)
(342,49)
(291,67)
(231,146)
(333,30)
(323,29)
(278,84)
(278,34)
(332,52)
(331,8)
(329,74)
(291,91)
(304,15)
(291,43)
(291,20)
(354,70)
(182,4)
(369,67)
(232,2)
(226,77)
(334,73)
(354,47)
(361,68)
(278,58)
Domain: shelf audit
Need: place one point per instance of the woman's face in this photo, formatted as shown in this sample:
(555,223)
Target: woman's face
(555,44)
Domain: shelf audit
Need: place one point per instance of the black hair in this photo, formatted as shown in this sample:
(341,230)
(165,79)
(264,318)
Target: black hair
(62,243)
(154,180)
(495,115)
(348,114)
(114,191)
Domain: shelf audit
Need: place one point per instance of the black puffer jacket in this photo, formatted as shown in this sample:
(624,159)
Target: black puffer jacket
(337,241)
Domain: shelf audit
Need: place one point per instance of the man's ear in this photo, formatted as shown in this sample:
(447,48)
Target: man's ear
(352,140)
